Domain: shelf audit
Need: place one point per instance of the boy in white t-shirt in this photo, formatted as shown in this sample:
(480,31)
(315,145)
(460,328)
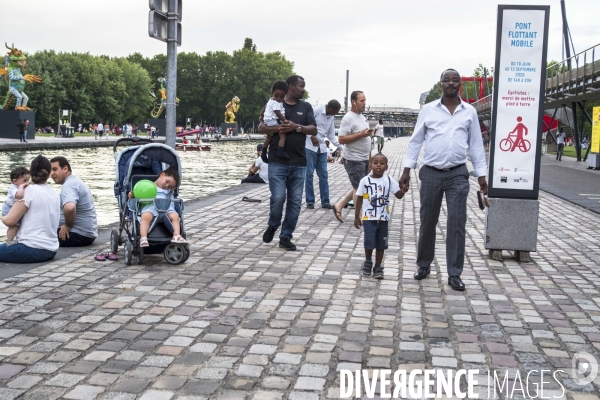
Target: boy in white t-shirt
(373,212)
(273,116)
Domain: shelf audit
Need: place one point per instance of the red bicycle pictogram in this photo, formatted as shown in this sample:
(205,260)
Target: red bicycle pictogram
(515,139)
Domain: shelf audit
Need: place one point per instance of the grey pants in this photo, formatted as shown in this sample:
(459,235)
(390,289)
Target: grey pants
(434,184)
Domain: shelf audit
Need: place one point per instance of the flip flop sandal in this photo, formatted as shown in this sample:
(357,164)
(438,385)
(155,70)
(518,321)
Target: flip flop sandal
(111,256)
(338,214)
(100,257)
(144,242)
(249,200)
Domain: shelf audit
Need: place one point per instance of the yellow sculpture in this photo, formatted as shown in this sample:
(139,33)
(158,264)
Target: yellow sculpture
(232,107)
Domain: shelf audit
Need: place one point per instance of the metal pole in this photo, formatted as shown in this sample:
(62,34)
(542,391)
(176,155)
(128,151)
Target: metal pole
(346,98)
(171,72)
(566,33)
(576,131)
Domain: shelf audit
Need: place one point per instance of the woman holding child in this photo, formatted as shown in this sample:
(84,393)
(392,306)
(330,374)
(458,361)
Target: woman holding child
(37,214)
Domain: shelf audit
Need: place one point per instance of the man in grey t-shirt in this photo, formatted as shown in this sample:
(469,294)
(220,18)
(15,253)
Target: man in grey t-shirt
(78,224)
(355,135)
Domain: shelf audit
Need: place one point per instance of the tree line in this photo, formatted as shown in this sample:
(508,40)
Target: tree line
(117,89)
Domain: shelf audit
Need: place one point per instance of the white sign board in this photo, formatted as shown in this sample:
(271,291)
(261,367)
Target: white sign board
(520,74)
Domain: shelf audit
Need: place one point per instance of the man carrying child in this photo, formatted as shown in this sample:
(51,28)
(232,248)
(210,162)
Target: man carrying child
(286,176)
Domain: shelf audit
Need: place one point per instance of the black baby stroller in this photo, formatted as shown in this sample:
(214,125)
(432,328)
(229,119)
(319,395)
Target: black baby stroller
(144,159)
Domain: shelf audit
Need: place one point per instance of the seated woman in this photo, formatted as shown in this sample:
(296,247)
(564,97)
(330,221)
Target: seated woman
(38,213)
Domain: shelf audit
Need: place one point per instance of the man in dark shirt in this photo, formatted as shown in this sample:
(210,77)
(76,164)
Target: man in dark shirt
(286,176)
(21,126)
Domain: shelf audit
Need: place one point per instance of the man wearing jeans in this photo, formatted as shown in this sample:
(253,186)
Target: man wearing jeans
(78,225)
(317,152)
(286,176)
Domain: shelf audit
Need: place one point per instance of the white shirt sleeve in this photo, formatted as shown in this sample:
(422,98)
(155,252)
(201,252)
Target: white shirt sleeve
(416,141)
(331,136)
(476,148)
(345,127)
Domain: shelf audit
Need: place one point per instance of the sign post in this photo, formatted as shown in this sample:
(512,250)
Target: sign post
(516,134)
(164,23)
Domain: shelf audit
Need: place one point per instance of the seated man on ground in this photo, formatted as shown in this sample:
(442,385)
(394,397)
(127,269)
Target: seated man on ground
(78,224)
(258,172)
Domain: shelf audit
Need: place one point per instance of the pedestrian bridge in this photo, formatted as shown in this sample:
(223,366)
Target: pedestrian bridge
(399,117)
(573,80)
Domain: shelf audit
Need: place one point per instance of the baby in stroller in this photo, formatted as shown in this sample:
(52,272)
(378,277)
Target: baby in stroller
(166,182)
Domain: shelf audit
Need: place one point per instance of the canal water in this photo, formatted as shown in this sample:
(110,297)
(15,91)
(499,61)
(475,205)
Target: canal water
(204,172)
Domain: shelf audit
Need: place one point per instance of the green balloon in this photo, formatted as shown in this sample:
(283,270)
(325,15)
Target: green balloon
(144,189)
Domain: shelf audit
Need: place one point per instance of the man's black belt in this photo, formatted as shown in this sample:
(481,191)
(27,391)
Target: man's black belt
(443,169)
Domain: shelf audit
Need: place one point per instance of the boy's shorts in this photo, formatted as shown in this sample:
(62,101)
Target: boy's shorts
(376,235)
(152,209)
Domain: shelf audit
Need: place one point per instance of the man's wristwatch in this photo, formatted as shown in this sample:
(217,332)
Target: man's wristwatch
(299,128)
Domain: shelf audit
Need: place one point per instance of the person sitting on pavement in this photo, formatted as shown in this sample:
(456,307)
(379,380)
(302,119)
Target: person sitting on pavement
(78,224)
(258,172)
(38,213)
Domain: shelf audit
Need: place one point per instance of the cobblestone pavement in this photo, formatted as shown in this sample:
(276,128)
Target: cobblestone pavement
(243,319)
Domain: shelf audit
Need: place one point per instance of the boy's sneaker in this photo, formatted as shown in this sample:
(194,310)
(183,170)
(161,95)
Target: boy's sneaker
(367,267)
(378,272)
(287,244)
(268,235)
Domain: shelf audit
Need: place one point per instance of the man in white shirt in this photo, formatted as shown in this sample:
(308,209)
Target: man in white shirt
(259,170)
(317,153)
(560,141)
(448,127)
(379,136)
(354,134)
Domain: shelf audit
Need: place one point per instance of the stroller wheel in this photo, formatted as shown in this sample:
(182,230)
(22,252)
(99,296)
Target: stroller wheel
(128,253)
(140,256)
(175,253)
(187,253)
(114,241)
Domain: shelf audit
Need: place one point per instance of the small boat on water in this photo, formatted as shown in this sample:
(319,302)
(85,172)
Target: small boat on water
(192,147)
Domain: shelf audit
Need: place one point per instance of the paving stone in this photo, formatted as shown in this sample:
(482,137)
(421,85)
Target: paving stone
(157,395)
(24,382)
(131,385)
(202,387)
(28,358)
(7,371)
(65,380)
(84,392)
(10,394)
(45,367)
(118,396)
(103,379)
(249,370)
(169,383)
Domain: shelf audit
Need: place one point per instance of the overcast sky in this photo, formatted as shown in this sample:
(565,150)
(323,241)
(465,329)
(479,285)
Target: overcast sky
(394,49)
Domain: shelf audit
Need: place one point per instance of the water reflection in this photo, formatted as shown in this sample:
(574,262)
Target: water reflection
(203,172)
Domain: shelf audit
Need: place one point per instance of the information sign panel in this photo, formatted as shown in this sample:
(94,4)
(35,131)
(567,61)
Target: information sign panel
(518,105)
